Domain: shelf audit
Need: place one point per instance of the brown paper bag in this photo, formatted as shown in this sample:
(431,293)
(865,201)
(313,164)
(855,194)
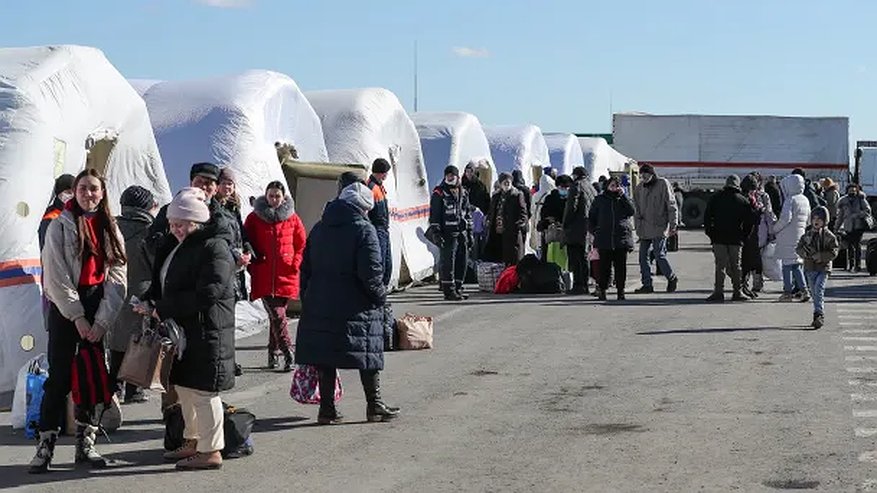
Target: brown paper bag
(415,332)
(147,362)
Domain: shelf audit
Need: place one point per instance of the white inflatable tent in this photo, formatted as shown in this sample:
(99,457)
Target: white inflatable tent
(233,121)
(518,147)
(601,158)
(564,151)
(453,138)
(361,125)
(52,101)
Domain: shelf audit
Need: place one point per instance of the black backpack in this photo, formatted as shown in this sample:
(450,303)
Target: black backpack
(538,277)
(237,427)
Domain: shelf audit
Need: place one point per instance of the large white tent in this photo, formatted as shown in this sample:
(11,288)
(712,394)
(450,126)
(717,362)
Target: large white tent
(601,158)
(518,147)
(564,151)
(233,121)
(53,101)
(453,138)
(361,125)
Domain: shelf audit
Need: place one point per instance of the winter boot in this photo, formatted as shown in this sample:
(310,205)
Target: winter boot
(644,290)
(135,395)
(201,461)
(186,450)
(738,296)
(458,287)
(621,296)
(757,283)
(375,410)
(85,451)
(716,297)
(601,294)
(328,414)
(818,321)
(450,293)
(45,451)
(672,284)
(288,360)
(273,363)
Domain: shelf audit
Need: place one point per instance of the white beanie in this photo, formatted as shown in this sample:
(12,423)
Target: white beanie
(359,196)
(190,204)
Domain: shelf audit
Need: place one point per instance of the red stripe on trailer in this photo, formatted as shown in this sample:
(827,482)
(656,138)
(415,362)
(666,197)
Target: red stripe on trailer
(699,164)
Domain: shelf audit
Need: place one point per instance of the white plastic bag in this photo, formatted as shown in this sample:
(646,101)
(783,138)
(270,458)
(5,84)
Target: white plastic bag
(19,398)
(772,267)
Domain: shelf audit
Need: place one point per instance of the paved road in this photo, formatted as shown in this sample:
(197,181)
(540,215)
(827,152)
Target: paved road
(661,393)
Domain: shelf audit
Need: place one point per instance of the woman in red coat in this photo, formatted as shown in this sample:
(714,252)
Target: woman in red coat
(278,238)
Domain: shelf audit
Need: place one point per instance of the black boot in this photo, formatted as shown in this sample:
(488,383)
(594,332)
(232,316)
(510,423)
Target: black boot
(458,287)
(601,294)
(328,415)
(288,360)
(375,409)
(450,293)
(273,364)
(818,321)
(45,452)
(85,451)
(621,296)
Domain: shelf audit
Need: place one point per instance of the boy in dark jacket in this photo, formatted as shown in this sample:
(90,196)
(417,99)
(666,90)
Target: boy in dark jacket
(818,247)
(728,221)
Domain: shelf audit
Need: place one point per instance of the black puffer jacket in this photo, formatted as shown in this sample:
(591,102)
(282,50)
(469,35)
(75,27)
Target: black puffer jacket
(610,221)
(729,218)
(198,294)
(578,207)
(134,225)
(342,293)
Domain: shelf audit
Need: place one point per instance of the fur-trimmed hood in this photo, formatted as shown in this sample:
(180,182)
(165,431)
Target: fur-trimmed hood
(270,215)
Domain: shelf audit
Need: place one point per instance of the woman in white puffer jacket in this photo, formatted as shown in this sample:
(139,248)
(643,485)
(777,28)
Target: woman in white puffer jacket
(788,229)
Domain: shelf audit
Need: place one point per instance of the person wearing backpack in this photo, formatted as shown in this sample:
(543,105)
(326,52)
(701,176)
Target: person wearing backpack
(84,277)
(278,237)
(610,220)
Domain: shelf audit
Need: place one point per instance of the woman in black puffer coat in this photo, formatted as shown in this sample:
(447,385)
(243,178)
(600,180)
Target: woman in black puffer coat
(610,222)
(343,298)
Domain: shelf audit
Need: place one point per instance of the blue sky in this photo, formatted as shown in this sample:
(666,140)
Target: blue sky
(553,63)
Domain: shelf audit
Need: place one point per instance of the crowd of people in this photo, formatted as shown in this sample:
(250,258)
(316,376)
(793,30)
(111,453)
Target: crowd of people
(184,262)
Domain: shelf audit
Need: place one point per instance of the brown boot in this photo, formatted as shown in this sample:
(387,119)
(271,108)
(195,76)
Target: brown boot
(201,461)
(184,452)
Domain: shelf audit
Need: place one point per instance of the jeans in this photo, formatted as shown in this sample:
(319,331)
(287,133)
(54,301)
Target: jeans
(817,279)
(278,331)
(793,278)
(578,265)
(727,261)
(386,254)
(659,246)
(608,260)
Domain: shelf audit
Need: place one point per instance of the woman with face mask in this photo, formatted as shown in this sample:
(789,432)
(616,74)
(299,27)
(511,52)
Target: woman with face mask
(610,221)
(551,222)
(84,277)
(853,220)
(508,223)
(450,222)
(278,235)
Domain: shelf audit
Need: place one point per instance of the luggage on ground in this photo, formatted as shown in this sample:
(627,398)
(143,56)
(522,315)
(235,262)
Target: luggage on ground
(508,281)
(305,388)
(538,277)
(38,365)
(173,427)
(237,427)
(488,275)
(415,332)
(772,267)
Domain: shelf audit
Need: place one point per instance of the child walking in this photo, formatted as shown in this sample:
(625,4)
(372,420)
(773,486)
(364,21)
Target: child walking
(818,247)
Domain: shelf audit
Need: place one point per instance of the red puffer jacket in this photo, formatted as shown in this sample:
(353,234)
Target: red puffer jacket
(278,238)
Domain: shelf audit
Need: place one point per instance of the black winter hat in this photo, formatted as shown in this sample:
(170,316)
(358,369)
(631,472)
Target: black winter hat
(207,170)
(452,170)
(63,182)
(647,168)
(381,165)
(138,197)
(579,173)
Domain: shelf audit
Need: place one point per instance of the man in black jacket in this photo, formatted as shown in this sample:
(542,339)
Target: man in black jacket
(450,220)
(380,214)
(728,220)
(477,191)
(575,228)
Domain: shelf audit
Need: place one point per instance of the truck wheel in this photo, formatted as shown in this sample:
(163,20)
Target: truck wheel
(693,210)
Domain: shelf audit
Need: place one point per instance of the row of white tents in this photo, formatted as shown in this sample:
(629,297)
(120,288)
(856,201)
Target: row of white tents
(61,104)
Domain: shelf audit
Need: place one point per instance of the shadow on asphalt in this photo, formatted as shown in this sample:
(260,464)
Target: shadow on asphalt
(267,425)
(796,328)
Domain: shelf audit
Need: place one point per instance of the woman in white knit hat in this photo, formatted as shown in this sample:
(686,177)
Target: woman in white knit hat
(193,284)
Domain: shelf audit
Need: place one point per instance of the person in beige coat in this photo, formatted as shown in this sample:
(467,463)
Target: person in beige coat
(84,277)
(656,218)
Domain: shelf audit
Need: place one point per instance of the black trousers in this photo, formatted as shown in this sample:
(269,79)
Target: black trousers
(578,265)
(369,379)
(453,259)
(63,340)
(610,259)
(854,248)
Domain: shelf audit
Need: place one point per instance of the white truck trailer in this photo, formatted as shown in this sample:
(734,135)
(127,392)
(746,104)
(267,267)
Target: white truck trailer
(700,151)
(865,173)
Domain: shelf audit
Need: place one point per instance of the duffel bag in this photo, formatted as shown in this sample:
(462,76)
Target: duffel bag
(488,273)
(237,426)
(537,277)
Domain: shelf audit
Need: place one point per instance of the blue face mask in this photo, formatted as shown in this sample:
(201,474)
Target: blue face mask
(563,192)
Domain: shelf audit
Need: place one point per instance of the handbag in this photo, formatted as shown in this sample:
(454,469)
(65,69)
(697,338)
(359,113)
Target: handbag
(415,332)
(554,233)
(237,426)
(90,382)
(305,388)
(148,360)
